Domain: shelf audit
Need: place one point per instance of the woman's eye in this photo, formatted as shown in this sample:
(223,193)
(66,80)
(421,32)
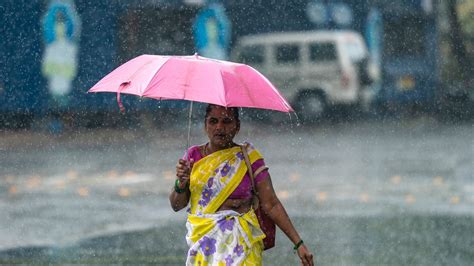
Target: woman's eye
(227,121)
(213,121)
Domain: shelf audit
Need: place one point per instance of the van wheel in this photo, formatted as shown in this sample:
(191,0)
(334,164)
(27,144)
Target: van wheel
(311,106)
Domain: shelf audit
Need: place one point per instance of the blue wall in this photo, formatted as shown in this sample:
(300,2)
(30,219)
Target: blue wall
(20,57)
(97,53)
(24,88)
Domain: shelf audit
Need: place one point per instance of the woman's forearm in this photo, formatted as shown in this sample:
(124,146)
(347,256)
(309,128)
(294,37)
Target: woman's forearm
(272,206)
(179,201)
(279,215)
(179,196)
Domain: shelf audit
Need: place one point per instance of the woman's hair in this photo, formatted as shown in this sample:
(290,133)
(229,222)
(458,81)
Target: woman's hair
(235,111)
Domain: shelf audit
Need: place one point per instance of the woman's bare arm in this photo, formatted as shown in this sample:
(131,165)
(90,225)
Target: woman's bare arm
(272,206)
(179,201)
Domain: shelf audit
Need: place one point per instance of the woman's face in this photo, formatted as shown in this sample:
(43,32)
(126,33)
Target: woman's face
(221,127)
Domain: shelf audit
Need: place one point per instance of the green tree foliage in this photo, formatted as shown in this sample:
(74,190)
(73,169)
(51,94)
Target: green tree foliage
(466,20)
(457,39)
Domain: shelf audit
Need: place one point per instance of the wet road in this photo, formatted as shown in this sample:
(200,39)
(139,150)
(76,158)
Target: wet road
(353,189)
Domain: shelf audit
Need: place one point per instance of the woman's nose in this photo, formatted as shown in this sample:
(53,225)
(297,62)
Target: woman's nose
(219,125)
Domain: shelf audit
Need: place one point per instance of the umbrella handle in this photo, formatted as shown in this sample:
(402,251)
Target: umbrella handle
(119,101)
(189,129)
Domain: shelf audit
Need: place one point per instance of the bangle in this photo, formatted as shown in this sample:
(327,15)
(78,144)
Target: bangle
(298,245)
(177,188)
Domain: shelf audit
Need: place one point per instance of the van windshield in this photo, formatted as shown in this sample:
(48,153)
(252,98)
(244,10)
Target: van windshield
(354,49)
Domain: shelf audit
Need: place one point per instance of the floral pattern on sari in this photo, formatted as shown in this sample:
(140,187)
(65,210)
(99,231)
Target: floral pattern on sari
(221,237)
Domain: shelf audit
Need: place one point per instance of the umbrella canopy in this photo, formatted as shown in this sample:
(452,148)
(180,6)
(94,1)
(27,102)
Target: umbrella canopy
(193,78)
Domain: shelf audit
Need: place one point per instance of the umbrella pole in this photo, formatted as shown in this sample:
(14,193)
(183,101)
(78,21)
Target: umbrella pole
(189,129)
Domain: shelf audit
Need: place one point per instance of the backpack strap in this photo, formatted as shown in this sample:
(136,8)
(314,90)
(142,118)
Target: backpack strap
(255,200)
(249,167)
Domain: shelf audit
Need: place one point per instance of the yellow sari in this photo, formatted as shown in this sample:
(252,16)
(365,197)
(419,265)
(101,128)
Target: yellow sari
(224,237)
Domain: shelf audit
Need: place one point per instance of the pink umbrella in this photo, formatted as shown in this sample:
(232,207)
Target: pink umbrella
(193,78)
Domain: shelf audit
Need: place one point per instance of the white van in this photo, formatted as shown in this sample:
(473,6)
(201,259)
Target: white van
(314,70)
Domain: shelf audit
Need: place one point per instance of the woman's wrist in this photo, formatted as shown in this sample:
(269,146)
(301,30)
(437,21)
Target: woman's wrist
(298,245)
(180,187)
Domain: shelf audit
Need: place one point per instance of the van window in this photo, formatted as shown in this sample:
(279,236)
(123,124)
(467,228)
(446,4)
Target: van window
(287,53)
(322,52)
(252,55)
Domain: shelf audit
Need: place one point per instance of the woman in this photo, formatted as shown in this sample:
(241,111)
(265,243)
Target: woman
(222,226)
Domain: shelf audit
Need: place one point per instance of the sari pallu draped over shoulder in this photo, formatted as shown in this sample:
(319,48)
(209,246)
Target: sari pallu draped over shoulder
(221,237)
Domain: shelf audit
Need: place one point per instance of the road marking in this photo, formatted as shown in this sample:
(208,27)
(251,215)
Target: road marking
(71,175)
(364,197)
(83,191)
(410,199)
(130,174)
(438,181)
(283,194)
(396,179)
(33,182)
(13,190)
(455,200)
(60,184)
(124,192)
(112,174)
(295,177)
(322,196)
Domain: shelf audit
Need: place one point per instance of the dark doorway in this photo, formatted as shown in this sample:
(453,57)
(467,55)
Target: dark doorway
(164,31)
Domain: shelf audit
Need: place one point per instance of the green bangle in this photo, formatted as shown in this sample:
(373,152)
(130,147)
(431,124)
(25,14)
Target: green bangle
(176,187)
(298,245)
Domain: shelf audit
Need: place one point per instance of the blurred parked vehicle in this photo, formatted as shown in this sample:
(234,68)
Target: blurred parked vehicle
(456,100)
(315,70)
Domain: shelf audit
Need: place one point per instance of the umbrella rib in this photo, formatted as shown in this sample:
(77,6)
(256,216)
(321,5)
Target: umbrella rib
(187,82)
(156,73)
(248,90)
(223,86)
(138,71)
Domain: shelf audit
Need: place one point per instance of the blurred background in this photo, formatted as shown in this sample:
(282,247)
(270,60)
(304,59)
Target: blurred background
(375,168)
